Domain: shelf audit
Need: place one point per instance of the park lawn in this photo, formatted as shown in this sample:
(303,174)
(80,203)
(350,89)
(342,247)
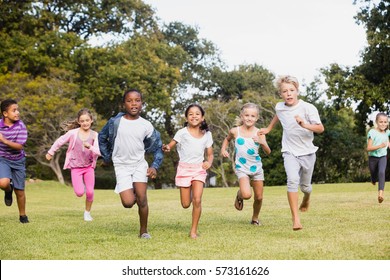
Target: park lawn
(344,222)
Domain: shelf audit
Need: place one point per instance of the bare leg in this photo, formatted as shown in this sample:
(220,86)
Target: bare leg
(127,198)
(258,199)
(243,193)
(5,184)
(185,196)
(21,199)
(293,201)
(88,205)
(305,202)
(143,207)
(380,196)
(197,192)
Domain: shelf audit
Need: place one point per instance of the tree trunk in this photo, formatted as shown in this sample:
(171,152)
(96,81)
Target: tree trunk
(55,166)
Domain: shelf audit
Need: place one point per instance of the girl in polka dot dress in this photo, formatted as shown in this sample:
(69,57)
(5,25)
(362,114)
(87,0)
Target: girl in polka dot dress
(248,165)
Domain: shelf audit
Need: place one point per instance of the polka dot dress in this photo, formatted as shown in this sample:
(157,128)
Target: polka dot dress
(248,159)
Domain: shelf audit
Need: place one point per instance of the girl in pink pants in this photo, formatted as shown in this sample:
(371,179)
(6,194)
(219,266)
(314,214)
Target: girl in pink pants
(81,156)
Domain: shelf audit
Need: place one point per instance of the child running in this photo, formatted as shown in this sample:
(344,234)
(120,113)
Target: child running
(377,145)
(248,165)
(81,156)
(124,140)
(299,120)
(13,137)
(192,141)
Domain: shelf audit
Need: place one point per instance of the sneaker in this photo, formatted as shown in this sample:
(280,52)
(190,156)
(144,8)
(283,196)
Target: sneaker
(8,195)
(24,219)
(256,223)
(87,216)
(145,235)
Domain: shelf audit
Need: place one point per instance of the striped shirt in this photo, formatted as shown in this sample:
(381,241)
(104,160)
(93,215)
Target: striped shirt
(16,133)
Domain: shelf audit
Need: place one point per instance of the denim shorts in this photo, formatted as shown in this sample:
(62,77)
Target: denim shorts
(14,170)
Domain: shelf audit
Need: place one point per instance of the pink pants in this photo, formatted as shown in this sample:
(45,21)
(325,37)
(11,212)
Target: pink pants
(81,177)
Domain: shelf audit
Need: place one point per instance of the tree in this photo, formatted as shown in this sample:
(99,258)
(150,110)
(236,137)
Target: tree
(365,85)
(84,18)
(45,104)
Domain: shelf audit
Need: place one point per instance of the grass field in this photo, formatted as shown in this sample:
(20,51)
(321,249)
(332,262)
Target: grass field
(344,222)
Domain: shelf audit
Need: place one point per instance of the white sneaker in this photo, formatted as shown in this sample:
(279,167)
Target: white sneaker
(145,235)
(87,216)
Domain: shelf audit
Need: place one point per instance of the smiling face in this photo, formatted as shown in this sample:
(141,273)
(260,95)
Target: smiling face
(194,116)
(382,123)
(249,116)
(289,93)
(133,104)
(85,121)
(11,115)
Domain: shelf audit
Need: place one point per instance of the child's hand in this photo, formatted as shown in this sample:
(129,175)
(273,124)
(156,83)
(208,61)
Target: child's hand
(224,153)
(206,165)
(86,145)
(259,139)
(299,120)
(151,173)
(49,157)
(263,131)
(166,148)
(1,137)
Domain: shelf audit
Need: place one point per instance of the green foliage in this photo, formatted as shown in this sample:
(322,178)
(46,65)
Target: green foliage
(49,66)
(85,18)
(365,85)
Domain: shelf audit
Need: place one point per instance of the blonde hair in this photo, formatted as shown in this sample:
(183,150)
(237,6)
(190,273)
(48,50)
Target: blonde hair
(238,120)
(286,79)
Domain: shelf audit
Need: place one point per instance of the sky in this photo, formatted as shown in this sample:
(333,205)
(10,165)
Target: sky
(295,37)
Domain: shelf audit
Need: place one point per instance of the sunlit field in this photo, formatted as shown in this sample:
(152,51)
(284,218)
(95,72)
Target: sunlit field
(344,222)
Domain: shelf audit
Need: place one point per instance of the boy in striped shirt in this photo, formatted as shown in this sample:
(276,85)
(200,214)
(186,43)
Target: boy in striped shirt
(13,136)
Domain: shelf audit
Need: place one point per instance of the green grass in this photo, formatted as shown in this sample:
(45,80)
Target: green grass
(344,222)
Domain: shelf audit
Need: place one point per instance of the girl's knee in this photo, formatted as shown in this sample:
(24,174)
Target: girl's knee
(90,196)
(196,202)
(245,193)
(185,205)
(79,194)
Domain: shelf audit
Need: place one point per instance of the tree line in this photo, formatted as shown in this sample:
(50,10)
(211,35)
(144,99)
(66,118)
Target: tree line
(49,63)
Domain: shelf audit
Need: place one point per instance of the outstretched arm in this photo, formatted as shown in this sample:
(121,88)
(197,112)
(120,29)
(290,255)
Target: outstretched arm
(168,147)
(271,125)
(263,143)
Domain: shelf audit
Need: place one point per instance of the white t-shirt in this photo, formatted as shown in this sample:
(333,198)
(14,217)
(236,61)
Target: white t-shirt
(191,149)
(129,147)
(296,139)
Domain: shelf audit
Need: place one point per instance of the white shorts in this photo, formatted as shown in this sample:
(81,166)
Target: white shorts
(258,176)
(126,175)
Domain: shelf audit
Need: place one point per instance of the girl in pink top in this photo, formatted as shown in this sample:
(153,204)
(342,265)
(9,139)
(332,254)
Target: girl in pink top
(81,156)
